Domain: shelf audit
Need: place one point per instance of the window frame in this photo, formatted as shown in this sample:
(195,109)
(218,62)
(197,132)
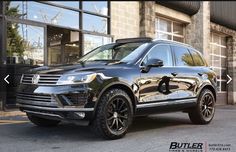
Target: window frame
(157,20)
(150,49)
(82,32)
(45,49)
(220,56)
(78,10)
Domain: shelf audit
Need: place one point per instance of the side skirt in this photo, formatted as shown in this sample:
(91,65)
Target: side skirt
(165,106)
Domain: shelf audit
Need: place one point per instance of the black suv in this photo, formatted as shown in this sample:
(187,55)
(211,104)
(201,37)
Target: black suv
(114,83)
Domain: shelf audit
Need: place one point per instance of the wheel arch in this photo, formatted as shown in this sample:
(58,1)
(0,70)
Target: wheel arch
(211,88)
(119,85)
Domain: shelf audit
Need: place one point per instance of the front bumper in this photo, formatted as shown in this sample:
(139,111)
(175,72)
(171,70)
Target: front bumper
(81,116)
(57,102)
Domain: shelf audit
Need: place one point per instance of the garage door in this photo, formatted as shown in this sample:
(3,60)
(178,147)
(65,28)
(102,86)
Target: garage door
(218,61)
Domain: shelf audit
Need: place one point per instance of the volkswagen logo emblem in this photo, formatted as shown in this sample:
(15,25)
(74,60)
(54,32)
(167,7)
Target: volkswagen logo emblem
(35,79)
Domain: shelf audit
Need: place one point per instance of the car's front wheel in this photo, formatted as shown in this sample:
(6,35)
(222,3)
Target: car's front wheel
(42,122)
(114,114)
(204,112)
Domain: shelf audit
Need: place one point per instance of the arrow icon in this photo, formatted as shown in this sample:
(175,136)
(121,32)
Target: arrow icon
(5,79)
(230,79)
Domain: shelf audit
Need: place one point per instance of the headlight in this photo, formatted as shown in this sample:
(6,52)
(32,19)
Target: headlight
(86,77)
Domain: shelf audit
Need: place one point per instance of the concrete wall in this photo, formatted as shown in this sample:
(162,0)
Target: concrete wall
(172,14)
(125,19)
(198,31)
(147,19)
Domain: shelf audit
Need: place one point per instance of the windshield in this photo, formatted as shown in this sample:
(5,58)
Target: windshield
(115,52)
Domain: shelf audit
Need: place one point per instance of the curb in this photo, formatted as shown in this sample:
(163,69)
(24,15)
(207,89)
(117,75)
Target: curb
(11,113)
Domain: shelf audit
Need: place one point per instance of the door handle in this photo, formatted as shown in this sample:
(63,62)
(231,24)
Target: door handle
(174,74)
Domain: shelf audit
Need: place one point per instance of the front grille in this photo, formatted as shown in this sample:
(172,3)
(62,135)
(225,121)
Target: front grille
(43,79)
(36,99)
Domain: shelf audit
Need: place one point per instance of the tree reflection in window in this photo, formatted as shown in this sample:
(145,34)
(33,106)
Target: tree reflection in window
(187,59)
(25,44)
(182,56)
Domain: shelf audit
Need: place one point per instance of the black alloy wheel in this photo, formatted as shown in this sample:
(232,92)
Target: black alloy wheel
(204,111)
(117,115)
(207,107)
(114,114)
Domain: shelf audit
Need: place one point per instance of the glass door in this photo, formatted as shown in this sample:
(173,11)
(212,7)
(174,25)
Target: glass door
(63,45)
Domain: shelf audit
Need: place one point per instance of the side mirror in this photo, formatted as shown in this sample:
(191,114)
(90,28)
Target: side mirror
(151,63)
(154,63)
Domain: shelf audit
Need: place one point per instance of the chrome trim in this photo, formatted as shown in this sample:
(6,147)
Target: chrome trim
(166,103)
(37,103)
(171,41)
(43,79)
(34,95)
(56,109)
(44,114)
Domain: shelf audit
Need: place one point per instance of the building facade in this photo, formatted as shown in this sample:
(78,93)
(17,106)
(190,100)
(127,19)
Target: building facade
(34,34)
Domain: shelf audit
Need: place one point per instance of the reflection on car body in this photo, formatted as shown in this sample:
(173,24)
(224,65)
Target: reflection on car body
(113,83)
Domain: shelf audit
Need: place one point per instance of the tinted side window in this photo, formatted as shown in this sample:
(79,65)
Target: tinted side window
(198,61)
(182,56)
(162,52)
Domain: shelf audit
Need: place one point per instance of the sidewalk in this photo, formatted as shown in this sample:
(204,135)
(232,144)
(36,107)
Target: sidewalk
(16,112)
(10,113)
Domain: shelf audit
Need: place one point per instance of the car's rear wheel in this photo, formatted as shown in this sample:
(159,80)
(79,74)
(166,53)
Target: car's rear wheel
(114,114)
(42,122)
(204,112)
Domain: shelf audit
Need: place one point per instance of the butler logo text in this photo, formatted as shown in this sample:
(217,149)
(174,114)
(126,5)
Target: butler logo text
(186,147)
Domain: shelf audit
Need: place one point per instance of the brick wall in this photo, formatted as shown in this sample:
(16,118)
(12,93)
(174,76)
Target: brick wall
(125,19)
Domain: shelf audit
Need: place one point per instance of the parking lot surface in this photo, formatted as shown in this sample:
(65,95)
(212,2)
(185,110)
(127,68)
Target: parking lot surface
(151,134)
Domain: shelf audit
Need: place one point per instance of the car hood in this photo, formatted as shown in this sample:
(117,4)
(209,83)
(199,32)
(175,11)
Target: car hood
(74,68)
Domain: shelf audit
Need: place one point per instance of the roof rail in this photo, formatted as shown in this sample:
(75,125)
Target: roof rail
(176,42)
(138,39)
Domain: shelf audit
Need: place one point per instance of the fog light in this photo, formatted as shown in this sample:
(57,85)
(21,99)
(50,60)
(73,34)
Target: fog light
(80,114)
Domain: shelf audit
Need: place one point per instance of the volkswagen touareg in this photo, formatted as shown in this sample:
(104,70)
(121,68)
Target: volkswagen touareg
(109,86)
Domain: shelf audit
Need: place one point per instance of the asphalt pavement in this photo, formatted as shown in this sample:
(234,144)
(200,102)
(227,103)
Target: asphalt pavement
(152,134)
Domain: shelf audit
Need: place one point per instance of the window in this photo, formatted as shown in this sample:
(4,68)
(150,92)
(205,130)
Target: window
(43,13)
(197,58)
(96,7)
(218,57)
(94,23)
(25,44)
(161,52)
(170,30)
(182,56)
(93,41)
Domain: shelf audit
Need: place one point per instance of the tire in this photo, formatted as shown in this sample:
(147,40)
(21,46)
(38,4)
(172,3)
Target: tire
(114,115)
(42,122)
(204,112)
